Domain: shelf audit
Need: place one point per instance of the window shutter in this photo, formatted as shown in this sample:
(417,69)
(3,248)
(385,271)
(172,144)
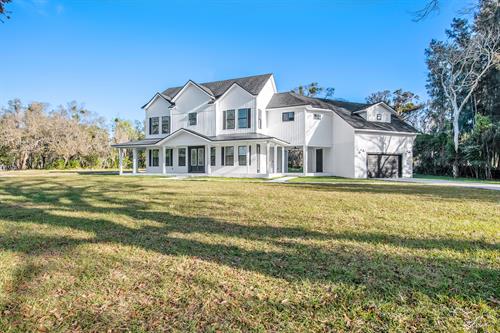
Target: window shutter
(224,117)
(249,118)
(222,155)
(150,125)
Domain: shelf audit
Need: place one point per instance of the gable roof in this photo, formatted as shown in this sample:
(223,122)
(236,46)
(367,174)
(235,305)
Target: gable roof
(155,97)
(345,110)
(218,138)
(252,84)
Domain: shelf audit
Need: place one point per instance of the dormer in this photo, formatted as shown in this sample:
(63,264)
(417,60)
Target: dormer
(379,112)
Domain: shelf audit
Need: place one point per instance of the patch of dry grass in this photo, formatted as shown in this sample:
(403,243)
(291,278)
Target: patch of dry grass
(98,252)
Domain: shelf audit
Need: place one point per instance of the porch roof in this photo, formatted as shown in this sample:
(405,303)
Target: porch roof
(217,138)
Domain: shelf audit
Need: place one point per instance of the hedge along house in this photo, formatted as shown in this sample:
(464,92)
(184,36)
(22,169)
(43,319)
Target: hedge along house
(244,128)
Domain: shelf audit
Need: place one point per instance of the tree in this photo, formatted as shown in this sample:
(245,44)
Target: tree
(314,90)
(403,102)
(459,64)
(4,12)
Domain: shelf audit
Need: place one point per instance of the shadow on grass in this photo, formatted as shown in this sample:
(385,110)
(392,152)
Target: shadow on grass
(383,275)
(423,191)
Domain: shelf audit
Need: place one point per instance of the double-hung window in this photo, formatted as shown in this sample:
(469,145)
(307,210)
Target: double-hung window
(259,119)
(242,155)
(165,125)
(244,118)
(154,157)
(288,116)
(182,157)
(154,124)
(192,118)
(228,119)
(168,157)
(229,156)
(212,156)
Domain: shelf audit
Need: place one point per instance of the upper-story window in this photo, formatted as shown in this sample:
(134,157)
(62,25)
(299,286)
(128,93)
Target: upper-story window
(259,119)
(228,119)
(317,116)
(379,116)
(244,118)
(192,116)
(288,116)
(165,125)
(154,125)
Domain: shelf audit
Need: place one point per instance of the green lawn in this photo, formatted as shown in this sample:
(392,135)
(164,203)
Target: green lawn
(331,179)
(461,179)
(99,252)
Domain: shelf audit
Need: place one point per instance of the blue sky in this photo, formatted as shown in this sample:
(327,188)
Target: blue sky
(114,55)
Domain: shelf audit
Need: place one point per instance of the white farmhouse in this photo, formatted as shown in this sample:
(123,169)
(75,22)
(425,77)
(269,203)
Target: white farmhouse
(244,128)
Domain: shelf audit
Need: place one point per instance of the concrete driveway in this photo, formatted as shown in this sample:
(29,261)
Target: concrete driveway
(442,182)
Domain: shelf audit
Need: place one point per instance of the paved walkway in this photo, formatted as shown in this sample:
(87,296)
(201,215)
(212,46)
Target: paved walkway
(280,180)
(442,182)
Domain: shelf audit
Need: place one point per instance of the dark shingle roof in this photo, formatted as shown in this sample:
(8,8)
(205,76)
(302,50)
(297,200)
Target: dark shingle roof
(226,137)
(252,84)
(343,109)
(144,142)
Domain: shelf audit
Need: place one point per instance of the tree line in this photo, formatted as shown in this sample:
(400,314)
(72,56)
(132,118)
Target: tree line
(34,137)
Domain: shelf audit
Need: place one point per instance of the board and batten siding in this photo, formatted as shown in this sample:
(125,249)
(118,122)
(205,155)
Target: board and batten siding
(235,98)
(193,99)
(290,131)
(159,108)
(380,143)
(319,131)
(263,99)
(342,148)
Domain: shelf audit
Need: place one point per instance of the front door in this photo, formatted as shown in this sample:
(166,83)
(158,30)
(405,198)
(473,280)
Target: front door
(196,159)
(319,160)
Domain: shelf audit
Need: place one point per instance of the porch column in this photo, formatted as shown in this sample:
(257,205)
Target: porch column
(283,169)
(248,159)
(304,159)
(164,158)
(268,159)
(120,159)
(134,161)
(275,160)
(209,159)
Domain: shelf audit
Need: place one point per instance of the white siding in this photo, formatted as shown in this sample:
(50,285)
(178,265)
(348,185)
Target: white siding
(371,114)
(366,143)
(235,98)
(237,170)
(343,148)
(158,108)
(263,99)
(319,132)
(194,100)
(290,131)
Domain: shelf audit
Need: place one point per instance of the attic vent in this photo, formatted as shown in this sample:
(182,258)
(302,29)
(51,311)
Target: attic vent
(317,116)
(379,116)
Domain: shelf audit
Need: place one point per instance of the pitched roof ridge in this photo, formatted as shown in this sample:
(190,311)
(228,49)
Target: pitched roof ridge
(238,78)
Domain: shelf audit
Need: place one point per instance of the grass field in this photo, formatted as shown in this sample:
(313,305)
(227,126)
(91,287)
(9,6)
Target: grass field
(99,252)
(459,179)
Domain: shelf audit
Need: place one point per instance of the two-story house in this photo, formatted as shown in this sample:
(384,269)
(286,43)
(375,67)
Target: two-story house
(244,127)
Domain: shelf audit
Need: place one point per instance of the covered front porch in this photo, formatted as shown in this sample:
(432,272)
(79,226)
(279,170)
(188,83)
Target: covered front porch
(188,153)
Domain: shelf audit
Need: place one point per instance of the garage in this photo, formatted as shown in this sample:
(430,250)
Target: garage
(384,166)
